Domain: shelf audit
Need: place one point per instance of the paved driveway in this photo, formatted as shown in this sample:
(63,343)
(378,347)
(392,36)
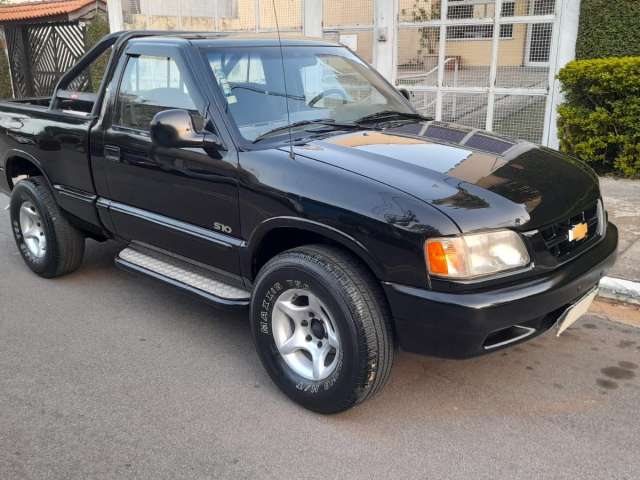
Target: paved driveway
(107,375)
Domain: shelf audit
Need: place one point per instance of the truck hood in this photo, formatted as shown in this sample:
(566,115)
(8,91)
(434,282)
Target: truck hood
(477,179)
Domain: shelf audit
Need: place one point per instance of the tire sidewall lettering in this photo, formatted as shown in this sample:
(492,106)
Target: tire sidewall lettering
(269,296)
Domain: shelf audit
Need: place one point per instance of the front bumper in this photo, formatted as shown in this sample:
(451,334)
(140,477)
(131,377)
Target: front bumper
(458,325)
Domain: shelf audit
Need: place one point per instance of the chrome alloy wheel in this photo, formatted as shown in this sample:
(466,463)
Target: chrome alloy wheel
(32,229)
(305,334)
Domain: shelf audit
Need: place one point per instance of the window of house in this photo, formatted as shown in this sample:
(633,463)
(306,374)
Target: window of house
(543,7)
(150,85)
(460,11)
(472,32)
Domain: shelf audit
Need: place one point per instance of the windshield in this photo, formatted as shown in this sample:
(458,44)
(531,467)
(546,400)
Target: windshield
(322,83)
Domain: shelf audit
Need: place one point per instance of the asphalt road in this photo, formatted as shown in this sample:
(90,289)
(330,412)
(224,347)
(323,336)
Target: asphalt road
(108,375)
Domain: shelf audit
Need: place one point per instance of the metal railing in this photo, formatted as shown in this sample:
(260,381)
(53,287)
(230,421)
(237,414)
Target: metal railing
(421,76)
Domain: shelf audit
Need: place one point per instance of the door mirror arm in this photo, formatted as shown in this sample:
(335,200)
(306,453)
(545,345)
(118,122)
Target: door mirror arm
(211,141)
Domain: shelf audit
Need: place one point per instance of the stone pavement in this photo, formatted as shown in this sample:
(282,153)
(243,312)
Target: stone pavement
(622,201)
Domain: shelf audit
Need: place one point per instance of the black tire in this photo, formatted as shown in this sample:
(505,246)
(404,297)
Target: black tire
(65,244)
(359,310)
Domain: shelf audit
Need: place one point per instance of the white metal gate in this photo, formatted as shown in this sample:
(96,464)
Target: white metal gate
(484,63)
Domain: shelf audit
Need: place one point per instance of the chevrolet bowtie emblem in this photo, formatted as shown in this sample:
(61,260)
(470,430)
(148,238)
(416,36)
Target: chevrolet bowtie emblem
(578,232)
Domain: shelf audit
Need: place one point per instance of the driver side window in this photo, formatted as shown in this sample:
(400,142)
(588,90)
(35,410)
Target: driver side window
(150,85)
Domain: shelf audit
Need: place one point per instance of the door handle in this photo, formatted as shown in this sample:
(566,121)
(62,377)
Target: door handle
(112,153)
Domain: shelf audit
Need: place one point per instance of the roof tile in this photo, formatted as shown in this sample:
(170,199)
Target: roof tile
(31,10)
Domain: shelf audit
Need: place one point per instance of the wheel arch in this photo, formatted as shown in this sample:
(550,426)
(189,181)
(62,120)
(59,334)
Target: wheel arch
(278,234)
(19,162)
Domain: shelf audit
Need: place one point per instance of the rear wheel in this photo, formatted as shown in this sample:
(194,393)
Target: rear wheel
(321,327)
(49,244)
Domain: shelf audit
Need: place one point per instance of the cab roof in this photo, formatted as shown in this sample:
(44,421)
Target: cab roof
(213,39)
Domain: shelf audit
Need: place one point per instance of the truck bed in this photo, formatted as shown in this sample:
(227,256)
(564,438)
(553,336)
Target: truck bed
(56,141)
(34,101)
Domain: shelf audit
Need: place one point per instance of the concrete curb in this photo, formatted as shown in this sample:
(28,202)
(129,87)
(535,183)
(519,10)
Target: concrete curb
(619,289)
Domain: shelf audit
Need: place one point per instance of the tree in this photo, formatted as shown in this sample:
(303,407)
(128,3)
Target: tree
(96,29)
(423,11)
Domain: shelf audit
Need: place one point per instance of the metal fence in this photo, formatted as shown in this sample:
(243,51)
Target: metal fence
(483,63)
(489,64)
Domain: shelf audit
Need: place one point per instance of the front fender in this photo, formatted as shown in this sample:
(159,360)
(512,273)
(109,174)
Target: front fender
(383,226)
(347,241)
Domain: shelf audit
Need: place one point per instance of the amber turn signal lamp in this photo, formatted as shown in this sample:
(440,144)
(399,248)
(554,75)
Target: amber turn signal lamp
(437,258)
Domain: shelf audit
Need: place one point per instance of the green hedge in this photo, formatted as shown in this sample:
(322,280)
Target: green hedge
(600,119)
(5,76)
(96,29)
(608,28)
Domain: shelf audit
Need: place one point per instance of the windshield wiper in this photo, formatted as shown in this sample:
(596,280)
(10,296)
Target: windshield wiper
(319,121)
(390,116)
(269,93)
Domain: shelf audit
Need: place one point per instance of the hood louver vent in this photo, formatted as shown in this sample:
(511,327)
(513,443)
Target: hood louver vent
(489,144)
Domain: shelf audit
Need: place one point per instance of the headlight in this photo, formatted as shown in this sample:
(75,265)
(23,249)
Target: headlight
(475,255)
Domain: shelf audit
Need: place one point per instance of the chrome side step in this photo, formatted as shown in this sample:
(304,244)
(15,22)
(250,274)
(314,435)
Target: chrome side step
(182,274)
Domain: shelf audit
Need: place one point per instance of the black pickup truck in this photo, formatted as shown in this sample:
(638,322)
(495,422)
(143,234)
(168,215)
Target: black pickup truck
(291,178)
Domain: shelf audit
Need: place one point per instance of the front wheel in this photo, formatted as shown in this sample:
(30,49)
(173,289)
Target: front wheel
(321,327)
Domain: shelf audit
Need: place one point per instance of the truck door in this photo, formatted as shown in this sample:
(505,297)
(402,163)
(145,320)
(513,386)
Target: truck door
(185,200)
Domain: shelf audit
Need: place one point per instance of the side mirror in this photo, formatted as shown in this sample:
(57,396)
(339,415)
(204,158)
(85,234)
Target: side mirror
(405,93)
(174,129)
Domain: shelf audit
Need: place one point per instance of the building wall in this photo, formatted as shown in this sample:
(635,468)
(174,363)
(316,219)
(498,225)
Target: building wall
(471,52)
(289,16)
(348,12)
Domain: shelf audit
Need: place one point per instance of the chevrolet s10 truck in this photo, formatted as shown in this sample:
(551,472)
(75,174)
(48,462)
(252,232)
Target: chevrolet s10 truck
(288,177)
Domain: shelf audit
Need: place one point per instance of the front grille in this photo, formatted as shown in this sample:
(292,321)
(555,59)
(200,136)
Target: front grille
(556,236)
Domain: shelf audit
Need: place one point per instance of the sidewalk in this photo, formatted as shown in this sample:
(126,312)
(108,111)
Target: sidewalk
(622,201)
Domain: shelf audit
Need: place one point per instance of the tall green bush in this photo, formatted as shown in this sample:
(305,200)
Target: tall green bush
(96,29)
(608,28)
(5,76)
(600,119)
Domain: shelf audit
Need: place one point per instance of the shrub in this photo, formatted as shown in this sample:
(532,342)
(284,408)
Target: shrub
(96,29)
(608,29)
(600,119)
(5,79)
